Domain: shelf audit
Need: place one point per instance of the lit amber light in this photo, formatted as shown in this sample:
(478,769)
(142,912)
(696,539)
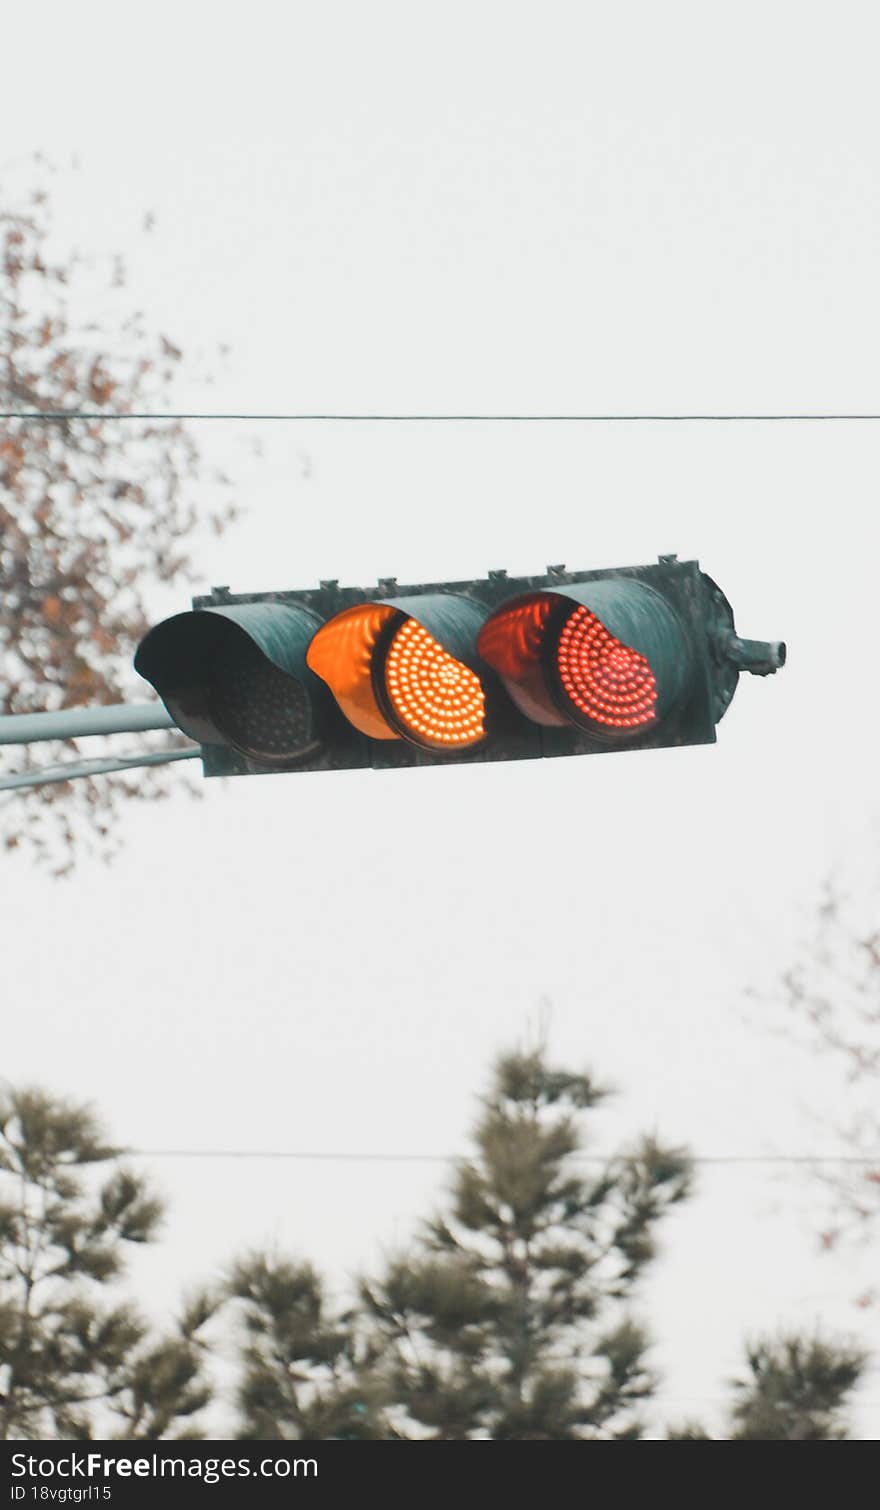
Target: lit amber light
(436,698)
(608,681)
(342,654)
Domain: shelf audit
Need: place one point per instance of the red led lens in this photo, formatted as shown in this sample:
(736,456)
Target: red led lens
(608,682)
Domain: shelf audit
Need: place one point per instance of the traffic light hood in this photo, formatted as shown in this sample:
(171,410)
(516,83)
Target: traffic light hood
(237,675)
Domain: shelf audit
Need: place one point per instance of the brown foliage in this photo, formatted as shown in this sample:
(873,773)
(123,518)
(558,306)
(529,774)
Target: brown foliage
(832,999)
(90,511)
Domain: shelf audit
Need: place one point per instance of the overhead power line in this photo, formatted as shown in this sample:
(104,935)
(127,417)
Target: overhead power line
(367,1157)
(62,416)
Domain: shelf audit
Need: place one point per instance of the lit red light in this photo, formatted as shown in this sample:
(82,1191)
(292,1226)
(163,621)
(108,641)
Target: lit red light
(608,682)
(511,639)
(437,699)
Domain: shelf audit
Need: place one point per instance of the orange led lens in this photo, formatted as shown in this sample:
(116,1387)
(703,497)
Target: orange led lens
(609,682)
(437,699)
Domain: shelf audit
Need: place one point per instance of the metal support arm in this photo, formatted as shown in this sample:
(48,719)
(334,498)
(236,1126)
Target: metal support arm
(75,723)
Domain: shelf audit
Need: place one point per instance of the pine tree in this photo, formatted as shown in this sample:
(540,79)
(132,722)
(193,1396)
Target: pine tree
(796,1390)
(72,1363)
(510,1319)
(303,1374)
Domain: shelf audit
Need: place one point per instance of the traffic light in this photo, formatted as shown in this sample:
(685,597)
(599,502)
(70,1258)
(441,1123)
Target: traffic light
(500,668)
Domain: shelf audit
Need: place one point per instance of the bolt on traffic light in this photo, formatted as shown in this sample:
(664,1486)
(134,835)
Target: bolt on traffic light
(500,668)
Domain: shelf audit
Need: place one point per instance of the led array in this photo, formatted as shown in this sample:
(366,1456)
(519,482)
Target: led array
(606,680)
(437,699)
(258,707)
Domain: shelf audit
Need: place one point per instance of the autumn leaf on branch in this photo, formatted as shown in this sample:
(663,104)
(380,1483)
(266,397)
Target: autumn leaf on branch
(90,512)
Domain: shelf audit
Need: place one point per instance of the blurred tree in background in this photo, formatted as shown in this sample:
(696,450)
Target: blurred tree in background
(91,512)
(831,1000)
(796,1390)
(303,1372)
(73,1365)
(510,1319)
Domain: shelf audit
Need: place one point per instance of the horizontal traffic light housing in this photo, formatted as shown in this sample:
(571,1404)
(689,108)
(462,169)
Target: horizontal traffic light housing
(495,668)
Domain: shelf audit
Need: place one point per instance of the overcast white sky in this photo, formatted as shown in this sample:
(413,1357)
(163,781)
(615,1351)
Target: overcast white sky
(487,207)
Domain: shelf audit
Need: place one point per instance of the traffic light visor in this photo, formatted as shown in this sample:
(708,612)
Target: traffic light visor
(341,653)
(237,676)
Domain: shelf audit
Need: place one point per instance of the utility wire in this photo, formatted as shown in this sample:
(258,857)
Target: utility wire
(362,1157)
(61,416)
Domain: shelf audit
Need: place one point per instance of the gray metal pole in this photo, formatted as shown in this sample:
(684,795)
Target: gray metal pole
(95,767)
(71,723)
